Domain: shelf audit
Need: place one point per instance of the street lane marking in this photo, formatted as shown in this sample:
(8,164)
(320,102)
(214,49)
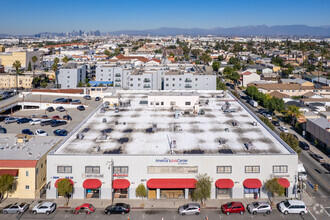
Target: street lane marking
(311,214)
(326,211)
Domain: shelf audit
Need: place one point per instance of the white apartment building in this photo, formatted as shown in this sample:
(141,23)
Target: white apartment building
(70,75)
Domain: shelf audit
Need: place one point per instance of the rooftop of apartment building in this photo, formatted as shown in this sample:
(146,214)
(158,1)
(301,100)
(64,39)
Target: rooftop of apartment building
(321,122)
(25,147)
(137,129)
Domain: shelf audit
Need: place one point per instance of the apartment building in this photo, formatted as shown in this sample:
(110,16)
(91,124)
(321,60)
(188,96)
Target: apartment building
(113,73)
(9,81)
(25,57)
(69,76)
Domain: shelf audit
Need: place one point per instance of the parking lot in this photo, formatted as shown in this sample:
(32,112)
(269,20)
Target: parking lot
(164,214)
(77,116)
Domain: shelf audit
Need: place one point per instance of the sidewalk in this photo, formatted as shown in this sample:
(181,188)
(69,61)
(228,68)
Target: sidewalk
(147,203)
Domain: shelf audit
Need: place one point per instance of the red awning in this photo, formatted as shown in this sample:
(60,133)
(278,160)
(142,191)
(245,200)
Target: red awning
(120,184)
(92,184)
(252,183)
(57,181)
(171,183)
(283,182)
(12,172)
(224,183)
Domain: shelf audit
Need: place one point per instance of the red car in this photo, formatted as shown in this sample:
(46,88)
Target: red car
(233,207)
(85,208)
(56,117)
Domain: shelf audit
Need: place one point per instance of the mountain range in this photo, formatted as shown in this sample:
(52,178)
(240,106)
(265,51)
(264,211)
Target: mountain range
(258,30)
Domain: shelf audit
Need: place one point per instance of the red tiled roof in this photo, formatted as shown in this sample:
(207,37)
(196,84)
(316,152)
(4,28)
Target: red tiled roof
(73,91)
(154,59)
(18,163)
(245,73)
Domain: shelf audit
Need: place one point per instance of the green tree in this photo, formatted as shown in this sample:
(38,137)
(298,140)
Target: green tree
(88,84)
(6,185)
(29,69)
(292,111)
(17,65)
(195,52)
(221,85)
(234,76)
(56,60)
(141,191)
(206,58)
(274,188)
(36,81)
(221,58)
(55,68)
(80,84)
(202,189)
(216,65)
(107,52)
(86,80)
(34,60)
(233,60)
(291,141)
(64,188)
(158,51)
(267,122)
(43,84)
(65,59)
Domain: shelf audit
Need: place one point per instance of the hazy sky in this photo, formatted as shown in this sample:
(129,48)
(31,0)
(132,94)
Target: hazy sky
(29,17)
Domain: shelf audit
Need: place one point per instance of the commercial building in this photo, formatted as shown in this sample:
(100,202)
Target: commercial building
(70,75)
(9,81)
(113,74)
(25,57)
(318,130)
(164,140)
(24,157)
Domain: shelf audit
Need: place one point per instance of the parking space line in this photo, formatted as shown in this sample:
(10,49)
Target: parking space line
(311,214)
(326,211)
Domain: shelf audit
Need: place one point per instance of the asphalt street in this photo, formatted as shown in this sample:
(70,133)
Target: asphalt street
(172,214)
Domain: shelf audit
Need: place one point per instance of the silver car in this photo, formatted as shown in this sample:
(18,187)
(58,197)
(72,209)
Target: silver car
(190,209)
(259,207)
(45,207)
(15,208)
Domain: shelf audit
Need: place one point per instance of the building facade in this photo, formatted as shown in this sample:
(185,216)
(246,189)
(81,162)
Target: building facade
(9,81)
(69,77)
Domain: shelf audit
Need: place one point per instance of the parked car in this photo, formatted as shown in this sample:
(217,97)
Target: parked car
(56,117)
(3,130)
(326,166)
(35,121)
(97,98)
(23,120)
(276,123)
(268,116)
(233,207)
(87,97)
(67,100)
(60,109)
(61,132)
(67,117)
(41,132)
(27,131)
(59,100)
(3,117)
(56,123)
(118,208)
(85,208)
(317,157)
(81,108)
(15,208)
(50,109)
(292,207)
(10,120)
(45,207)
(190,209)
(303,145)
(283,129)
(33,116)
(44,117)
(259,207)
(45,122)
(77,101)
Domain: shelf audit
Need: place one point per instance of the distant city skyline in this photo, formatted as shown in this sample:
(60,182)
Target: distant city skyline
(31,17)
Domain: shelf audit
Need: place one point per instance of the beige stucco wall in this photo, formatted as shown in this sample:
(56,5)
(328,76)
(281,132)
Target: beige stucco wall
(9,81)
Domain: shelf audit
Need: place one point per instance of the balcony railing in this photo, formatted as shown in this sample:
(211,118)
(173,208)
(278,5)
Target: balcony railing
(188,80)
(188,86)
(117,75)
(146,80)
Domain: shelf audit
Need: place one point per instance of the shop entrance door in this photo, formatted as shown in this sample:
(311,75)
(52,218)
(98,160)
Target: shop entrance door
(172,193)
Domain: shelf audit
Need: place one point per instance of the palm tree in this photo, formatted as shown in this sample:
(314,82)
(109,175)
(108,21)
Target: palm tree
(17,65)
(293,112)
(65,59)
(54,68)
(34,60)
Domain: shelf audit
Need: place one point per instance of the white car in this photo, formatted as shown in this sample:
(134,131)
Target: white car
(45,208)
(283,129)
(35,121)
(41,132)
(292,207)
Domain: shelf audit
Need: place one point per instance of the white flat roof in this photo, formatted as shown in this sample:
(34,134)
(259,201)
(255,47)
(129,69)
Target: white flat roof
(129,132)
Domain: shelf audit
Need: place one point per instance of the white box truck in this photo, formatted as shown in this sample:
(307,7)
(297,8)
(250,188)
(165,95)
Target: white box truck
(253,103)
(302,175)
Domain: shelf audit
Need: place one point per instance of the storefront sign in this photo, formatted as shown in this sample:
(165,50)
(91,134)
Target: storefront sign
(92,175)
(167,160)
(120,174)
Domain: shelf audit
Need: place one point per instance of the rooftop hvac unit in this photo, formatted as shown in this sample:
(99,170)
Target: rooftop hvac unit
(154,127)
(80,136)
(96,149)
